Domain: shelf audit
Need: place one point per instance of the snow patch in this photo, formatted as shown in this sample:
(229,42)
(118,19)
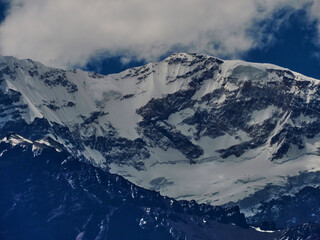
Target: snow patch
(259,116)
(260,230)
(15,140)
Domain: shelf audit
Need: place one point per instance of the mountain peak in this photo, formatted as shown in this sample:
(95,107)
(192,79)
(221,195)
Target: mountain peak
(188,57)
(221,123)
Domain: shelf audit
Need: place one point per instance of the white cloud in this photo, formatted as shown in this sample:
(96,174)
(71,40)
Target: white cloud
(67,32)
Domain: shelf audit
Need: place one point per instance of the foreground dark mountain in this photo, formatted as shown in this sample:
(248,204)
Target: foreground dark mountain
(290,210)
(47,194)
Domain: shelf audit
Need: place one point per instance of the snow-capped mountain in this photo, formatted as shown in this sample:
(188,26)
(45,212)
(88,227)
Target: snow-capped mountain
(191,126)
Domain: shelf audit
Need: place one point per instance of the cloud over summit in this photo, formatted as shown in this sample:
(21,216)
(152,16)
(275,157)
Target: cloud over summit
(67,32)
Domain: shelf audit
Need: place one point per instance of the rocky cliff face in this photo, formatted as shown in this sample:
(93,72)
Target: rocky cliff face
(191,126)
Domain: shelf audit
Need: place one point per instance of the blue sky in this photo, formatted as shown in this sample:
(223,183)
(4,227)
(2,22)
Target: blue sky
(294,47)
(108,36)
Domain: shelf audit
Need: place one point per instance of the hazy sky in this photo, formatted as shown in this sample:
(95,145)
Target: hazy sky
(109,35)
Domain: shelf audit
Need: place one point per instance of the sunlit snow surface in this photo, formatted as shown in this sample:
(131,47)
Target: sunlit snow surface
(118,96)
(214,181)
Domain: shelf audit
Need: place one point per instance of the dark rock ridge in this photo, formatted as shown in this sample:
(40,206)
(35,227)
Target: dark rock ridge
(290,210)
(48,194)
(309,231)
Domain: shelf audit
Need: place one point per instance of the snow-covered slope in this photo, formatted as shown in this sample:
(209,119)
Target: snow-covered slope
(191,126)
